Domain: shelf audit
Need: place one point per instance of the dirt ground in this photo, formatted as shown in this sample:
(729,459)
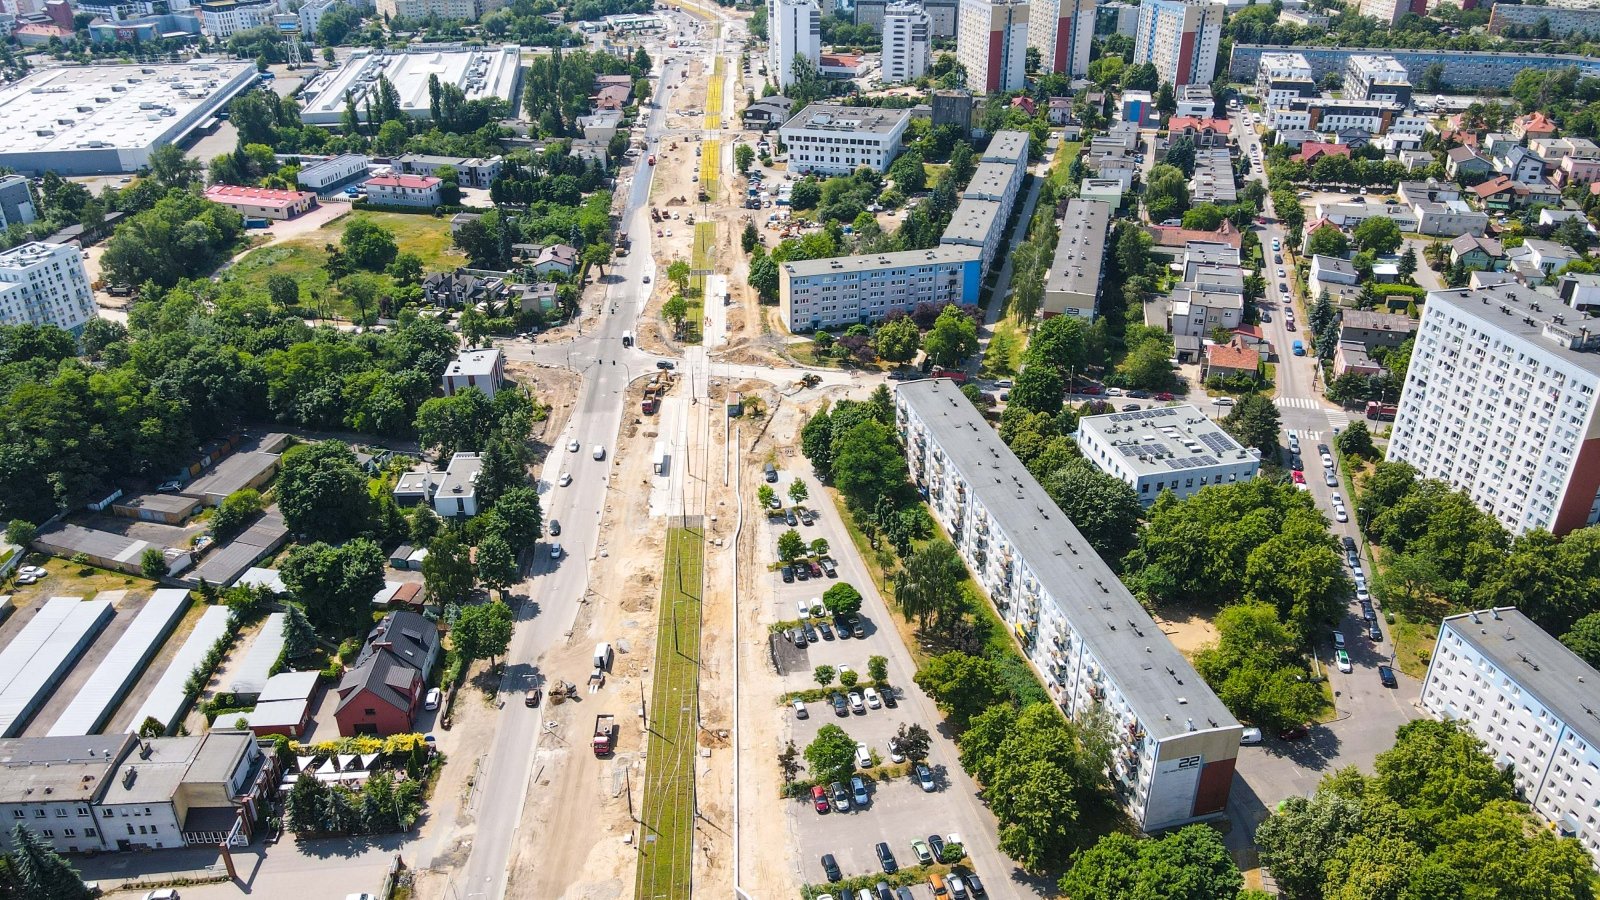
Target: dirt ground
(1189,629)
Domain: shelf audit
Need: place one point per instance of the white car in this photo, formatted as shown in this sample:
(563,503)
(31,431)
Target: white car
(872,698)
(1342,660)
(1250,736)
(1280,273)
(566,479)
(856,706)
(863,756)
(895,756)
(1113,392)
(35,571)
(162,894)
(1327,461)
(806,606)
(925,779)
(555,551)
(1337,500)
(1222,401)
(572,446)
(1341,514)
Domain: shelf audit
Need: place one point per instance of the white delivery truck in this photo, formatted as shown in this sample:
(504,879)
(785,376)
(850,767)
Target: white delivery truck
(658,458)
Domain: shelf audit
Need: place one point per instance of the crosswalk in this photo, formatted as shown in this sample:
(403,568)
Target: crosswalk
(1296,403)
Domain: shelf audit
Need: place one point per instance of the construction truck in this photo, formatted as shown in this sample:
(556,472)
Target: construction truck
(605,727)
(1382,412)
(652,397)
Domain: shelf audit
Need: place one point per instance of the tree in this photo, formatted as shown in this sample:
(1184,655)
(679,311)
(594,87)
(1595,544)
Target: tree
(1059,342)
(497,564)
(1328,240)
(743,156)
(831,756)
(151,727)
(791,546)
(789,761)
(913,741)
(174,168)
(897,340)
(368,245)
(1302,835)
(519,509)
(299,635)
(962,685)
(1104,508)
(1378,234)
(849,678)
(322,492)
(458,422)
(1322,317)
(1408,263)
(798,492)
(953,338)
(929,584)
(284,291)
(1584,639)
(447,569)
(21,533)
(750,238)
(1188,864)
(483,631)
(805,194)
(1166,193)
(842,599)
(1254,423)
(824,675)
(1254,669)
(765,495)
(867,463)
(40,872)
(236,509)
(1356,441)
(336,584)
(908,174)
(153,564)
(676,311)
(1038,389)
(819,546)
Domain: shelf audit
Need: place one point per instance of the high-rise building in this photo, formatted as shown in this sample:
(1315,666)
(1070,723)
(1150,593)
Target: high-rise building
(1062,30)
(795,31)
(1390,12)
(45,284)
(944,15)
(870,13)
(1378,78)
(16,202)
(1530,700)
(1094,646)
(1500,401)
(992,43)
(907,42)
(1180,37)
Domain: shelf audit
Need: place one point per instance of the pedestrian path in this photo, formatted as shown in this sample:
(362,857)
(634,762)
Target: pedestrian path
(1296,403)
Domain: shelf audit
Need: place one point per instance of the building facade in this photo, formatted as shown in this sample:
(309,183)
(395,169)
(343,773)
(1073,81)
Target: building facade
(483,369)
(1543,20)
(1464,70)
(1181,38)
(795,29)
(222,19)
(1390,12)
(267,203)
(1499,401)
(992,43)
(844,291)
(1166,448)
(907,42)
(416,10)
(1282,78)
(1530,700)
(45,284)
(404,190)
(1095,648)
(16,202)
(836,140)
(1062,30)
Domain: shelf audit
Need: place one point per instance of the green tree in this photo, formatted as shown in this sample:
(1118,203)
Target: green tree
(1059,342)
(174,168)
(1166,193)
(1038,389)
(153,564)
(867,463)
(743,157)
(21,532)
(1166,100)
(336,584)
(322,492)
(789,762)
(831,755)
(912,739)
(483,631)
(750,238)
(519,509)
(898,340)
(824,675)
(1355,441)
(236,510)
(849,678)
(1253,668)
(927,588)
(497,565)
(284,291)
(368,245)
(1328,240)
(299,635)
(798,492)
(805,194)
(908,174)
(1104,508)
(1584,639)
(459,422)
(878,668)
(1254,423)
(953,338)
(765,495)
(791,546)
(842,599)
(1377,234)
(40,872)
(676,311)
(1408,263)
(447,569)
(962,685)
(1188,864)
(1302,835)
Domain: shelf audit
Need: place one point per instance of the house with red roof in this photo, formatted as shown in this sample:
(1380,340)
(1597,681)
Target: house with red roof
(1172,239)
(1251,336)
(265,203)
(1205,132)
(1024,103)
(403,190)
(840,65)
(1533,125)
(1230,359)
(1311,151)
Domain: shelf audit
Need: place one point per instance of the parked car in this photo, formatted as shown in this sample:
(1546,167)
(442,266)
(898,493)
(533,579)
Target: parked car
(1367,612)
(1338,640)
(858,791)
(788,574)
(1342,660)
(1374,633)
(1327,460)
(925,778)
(1349,543)
(871,696)
(895,756)
(856,706)
(863,757)
(937,844)
(802,572)
(1250,736)
(800,709)
(1331,479)
(841,797)
(826,630)
(555,527)
(973,884)
(811,633)
(1386,676)
(790,518)
(1341,514)
(840,709)
(828,568)
(886,858)
(816,570)
(920,848)
(830,867)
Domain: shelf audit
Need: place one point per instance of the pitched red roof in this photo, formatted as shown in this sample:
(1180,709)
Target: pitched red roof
(1232,355)
(1177,236)
(226,193)
(404,181)
(1198,123)
(1496,185)
(1310,150)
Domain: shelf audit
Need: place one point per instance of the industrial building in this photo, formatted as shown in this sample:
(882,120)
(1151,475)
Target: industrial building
(1166,448)
(93,120)
(480,72)
(1530,700)
(265,203)
(331,173)
(1073,282)
(1094,646)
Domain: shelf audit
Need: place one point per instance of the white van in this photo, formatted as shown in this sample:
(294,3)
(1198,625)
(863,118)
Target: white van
(599,451)
(602,655)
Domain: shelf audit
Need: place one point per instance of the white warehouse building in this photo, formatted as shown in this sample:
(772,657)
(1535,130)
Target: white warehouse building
(1167,448)
(1094,645)
(480,72)
(1531,700)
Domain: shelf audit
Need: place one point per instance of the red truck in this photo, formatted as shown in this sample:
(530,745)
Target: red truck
(955,375)
(652,159)
(604,735)
(1382,412)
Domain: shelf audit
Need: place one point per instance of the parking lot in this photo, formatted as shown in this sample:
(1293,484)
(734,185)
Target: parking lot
(898,811)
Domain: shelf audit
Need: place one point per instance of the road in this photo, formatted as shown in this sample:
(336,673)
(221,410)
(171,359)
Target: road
(1368,713)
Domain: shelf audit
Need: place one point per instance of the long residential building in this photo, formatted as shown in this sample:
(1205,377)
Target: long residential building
(1556,22)
(1062,30)
(1181,38)
(1531,700)
(1390,12)
(45,284)
(830,139)
(416,10)
(1464,70)
(1072,286)
(1500,401)
(848,290)
(907,42)
(795,29)
(992,43)
(1095,647)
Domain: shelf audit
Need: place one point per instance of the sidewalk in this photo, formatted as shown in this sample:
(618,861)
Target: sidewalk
(998,300)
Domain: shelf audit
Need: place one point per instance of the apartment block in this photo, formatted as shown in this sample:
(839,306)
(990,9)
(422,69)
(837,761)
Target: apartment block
(1499,401)
(795,32)
(16,202)
(1175,449)
(1094,646)
(224,18)
(847,290)
(1530,699)
(1533,20)
(45,284)
(992,43)
(1061,30)
(1072,286)
(416,10)
(1282,78)
(979,224)
(907,42)
(944,14)
(1390,12)
(1463,69)
(836,140)
(1181,38)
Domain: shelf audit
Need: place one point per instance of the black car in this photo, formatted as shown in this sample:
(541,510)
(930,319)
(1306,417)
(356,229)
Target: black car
(1367,612)
(1139,395)
(840,707)
(802,572)
(1349,543)
(788,574)
(1374,632)
(883,891)
(936,844)
(886,858)
(887,693)
(790,518)
(1297,464)
(830,867)
(799,637)
(973,884)
(810,632)
(1130,407)
(826,629)
(555,527)
(858,628)
(665,364)
(1386,675)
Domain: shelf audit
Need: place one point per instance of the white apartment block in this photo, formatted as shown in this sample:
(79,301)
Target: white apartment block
(1197,310)
(836,140)
(1062,30)
(1093,645)
(848,290)
(1282,78)
(1072,286)
(414,10)
(45,284)
(222,19)
(1499,401)
(1166,448)
(1181,38)
(992,43)
(1531,701)
(907,42)
(795,31)
(1375,77)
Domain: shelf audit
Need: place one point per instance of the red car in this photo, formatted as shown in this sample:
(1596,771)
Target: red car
(1090,389)
(1295,733)
(1299,477)
(1164,396)
(819,798)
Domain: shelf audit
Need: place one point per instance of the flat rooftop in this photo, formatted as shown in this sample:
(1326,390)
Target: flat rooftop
(837,265)
(1165,439)
(1080,249)
(71,108)
(480,73)
(1007,146)
(1540,664)
(474,362)
(990,179)
(69,768)
(1532,316)
(1162,689)
(973,222)
(833,117)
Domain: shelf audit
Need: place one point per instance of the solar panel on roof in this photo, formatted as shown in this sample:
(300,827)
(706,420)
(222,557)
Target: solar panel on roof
(1218,442)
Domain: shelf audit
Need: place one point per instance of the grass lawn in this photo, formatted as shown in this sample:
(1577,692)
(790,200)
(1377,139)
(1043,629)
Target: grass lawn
(68,579)
(1413,644)
(1064,156)
(666,851)
(1007,345)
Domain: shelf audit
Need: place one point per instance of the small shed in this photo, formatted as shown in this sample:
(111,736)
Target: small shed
(735,404)
(284,706)
(169,509)
(400,557)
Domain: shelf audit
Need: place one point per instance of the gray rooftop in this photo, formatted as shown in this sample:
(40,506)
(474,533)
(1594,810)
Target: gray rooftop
(1540,664)
(972,223)
(873,261)
(834,117)
(1166,439)
(1532,316)
(474,362)
(233,473)
(68,768)
(461,479)
(990,181)
(1334,264)
(1080,248)
(1007,146)
(1378,321)
(1115,627)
